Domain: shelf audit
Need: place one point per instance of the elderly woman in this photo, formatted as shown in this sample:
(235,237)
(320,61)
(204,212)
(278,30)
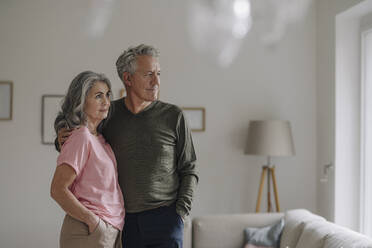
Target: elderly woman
(85,183)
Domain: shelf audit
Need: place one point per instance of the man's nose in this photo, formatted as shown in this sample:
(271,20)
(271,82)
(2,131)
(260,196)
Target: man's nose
(156,79)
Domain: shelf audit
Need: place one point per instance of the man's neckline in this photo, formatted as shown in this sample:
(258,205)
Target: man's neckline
(142,111)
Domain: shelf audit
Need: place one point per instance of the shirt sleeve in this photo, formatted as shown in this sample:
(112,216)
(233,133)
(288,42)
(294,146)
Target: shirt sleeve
(186,160)
(75,151)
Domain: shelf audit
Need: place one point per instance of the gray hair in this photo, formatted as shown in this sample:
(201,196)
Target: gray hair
(72,113)
(127,60)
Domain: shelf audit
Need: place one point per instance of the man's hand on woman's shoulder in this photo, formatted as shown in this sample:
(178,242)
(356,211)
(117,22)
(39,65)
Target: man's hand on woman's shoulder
(62,136)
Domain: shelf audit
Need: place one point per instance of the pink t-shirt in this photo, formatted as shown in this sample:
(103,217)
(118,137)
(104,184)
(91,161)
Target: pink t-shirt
(96,183)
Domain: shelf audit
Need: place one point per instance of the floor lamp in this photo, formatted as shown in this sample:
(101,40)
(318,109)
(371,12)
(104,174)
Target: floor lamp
(269,138)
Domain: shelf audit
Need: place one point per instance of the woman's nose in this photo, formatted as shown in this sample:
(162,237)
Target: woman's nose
(106,100)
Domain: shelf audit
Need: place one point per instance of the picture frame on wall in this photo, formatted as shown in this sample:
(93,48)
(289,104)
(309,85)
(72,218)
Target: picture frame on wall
(195,118)
(50,105)
(6,100)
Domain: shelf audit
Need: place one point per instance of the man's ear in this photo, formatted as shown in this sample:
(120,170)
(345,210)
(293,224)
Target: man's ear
(127,78)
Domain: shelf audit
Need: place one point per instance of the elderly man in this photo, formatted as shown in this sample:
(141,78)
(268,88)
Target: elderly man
(154,152)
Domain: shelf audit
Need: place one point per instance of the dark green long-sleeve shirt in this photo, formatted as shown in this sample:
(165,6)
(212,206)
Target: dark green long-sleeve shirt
(155,156)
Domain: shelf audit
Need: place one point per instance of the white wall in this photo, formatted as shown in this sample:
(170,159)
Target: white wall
(326,90)
(348,114)
(347,119)
(366,133)
(43,45)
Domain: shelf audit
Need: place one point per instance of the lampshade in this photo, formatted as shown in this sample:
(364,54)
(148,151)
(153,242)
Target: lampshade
(270,138)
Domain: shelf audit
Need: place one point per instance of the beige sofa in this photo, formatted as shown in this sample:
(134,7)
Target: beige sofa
(302,229)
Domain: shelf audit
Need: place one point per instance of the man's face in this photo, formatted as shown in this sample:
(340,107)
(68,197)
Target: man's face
(145,81)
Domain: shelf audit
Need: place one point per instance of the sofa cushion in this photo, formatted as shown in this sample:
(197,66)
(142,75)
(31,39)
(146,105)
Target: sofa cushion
(227,231)
(343,237)
(294,224)
(268,236)
(314,234)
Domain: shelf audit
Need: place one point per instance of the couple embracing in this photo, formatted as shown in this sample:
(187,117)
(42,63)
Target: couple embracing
(135,152)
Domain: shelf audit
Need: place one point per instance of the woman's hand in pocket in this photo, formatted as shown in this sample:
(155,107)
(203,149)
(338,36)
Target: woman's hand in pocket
(93,224)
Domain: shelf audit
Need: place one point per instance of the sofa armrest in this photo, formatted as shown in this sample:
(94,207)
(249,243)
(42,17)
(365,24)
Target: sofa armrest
(187,233)
(221,231)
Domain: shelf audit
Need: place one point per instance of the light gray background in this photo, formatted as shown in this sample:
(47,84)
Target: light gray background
(5,101)
(43,46)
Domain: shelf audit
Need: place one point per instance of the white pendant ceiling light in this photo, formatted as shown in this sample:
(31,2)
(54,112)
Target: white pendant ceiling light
(219,26)
(98,18)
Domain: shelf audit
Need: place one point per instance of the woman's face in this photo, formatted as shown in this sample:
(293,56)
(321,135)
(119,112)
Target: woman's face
(97,102)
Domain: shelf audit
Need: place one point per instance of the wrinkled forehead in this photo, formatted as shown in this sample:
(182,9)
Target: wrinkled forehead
(147,63)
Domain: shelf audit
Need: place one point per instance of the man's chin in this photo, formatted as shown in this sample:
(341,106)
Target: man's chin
(153,98)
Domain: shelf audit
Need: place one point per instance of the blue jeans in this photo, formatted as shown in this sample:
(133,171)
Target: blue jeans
(156,228)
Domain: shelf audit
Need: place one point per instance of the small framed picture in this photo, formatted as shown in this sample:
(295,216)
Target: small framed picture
(6,100)
(50,105)
(195,118)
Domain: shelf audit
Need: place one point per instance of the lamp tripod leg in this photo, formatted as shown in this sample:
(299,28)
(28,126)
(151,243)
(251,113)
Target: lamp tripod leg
(264,168)
(268,190)
(272,170)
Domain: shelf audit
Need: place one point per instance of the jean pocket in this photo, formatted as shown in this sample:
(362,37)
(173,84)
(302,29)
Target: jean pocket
(180,219)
